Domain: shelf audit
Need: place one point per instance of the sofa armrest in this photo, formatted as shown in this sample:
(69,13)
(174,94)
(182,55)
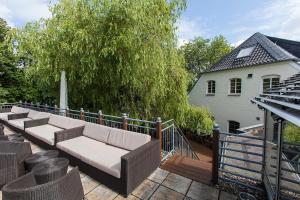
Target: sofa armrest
(3,138)
(5,110)
(68,134)
(17,116)
(138,164)
(35,122)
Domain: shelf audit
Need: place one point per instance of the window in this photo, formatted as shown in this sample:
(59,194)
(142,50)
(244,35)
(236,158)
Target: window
(245,52)
(211,87)
(233,126)
(270,82)
(235,86)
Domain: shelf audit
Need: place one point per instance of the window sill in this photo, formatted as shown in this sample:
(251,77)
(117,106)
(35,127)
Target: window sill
(234,95)
(210,94)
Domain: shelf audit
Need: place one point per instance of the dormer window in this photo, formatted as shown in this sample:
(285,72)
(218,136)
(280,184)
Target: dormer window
(245,52)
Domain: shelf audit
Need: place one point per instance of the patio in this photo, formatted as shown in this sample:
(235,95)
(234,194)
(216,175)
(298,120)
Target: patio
(160,185)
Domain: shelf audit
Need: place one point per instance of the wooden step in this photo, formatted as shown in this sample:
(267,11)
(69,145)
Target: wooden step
(193,169)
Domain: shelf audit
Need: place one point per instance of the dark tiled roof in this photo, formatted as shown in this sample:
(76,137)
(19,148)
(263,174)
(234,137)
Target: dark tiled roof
(292,47)
(266,51)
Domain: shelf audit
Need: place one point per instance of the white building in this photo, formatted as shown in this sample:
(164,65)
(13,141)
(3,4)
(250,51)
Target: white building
(256,65)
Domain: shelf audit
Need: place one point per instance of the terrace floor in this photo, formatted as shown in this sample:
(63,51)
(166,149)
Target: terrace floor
(159,185)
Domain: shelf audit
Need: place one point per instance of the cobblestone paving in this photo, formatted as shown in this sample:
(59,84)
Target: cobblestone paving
(159,185)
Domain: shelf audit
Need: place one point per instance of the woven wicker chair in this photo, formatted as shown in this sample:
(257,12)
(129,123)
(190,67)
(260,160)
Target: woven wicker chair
(12,156)
(68,187)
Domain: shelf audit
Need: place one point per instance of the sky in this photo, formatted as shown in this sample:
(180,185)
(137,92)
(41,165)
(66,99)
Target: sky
(234,19)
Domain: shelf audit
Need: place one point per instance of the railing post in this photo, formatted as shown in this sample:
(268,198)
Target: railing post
(125,121)
(279,158)
(215,158)
(20,102)
(55,109)
(81,114)
(159,133)
(67,112)
(100,117)
(25,103)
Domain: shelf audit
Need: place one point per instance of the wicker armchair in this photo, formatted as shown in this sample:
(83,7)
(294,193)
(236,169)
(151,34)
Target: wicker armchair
(68,187)
(12,156)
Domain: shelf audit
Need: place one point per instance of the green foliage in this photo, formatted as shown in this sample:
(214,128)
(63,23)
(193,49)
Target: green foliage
(291,133)
(13,84)
(199,120)
(200,54)
(120,56)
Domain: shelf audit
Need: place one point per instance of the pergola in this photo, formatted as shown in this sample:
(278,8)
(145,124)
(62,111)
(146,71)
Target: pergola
(281,160)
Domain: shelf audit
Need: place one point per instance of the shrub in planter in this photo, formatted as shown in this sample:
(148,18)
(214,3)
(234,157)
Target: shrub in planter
(199,120)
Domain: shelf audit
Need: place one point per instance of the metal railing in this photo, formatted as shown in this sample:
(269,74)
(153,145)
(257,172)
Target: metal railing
(175,142)
(240,160)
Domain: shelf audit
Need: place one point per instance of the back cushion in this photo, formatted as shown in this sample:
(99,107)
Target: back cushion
(38,115)
(127,139)
(64,122)
(96,131)
(16,109)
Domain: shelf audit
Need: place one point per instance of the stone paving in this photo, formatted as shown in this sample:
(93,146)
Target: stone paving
(159,185)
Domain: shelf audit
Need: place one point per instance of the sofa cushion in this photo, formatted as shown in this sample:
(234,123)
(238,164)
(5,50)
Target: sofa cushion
(79,146)
(65,122)
(33,114)
(44,132)
(16,109)
(107,160)
(18,123)
(3,116)
(127,139)
(104,157)
(96,131)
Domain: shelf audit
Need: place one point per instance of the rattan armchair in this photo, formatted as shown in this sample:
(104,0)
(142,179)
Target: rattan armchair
(68,187)
(12,156)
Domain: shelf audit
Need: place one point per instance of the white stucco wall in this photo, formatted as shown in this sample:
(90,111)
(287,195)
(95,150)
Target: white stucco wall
(237,108)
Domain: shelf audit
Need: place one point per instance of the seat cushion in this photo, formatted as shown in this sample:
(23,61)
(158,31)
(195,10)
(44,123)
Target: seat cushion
(16,109)
(18,123)
(3,116)
(65,122)
(97,154)
(38,115)
(96,131)
(79,146)
(44,132)
(127,139)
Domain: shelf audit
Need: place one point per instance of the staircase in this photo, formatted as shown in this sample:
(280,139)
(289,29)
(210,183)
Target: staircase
(180,158)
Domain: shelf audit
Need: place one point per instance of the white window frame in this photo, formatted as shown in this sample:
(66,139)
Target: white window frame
(209,89)
(271,77)
(235,93)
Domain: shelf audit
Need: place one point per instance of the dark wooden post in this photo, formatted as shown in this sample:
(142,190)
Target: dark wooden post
(81,114)
(25,103)
(125,121)
(46,108)
(215,158)
(159,133)
(100,117)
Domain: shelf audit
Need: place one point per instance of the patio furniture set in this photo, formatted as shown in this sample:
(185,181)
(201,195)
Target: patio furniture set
(118,158)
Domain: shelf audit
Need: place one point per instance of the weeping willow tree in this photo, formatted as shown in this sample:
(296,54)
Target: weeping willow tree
(120,56)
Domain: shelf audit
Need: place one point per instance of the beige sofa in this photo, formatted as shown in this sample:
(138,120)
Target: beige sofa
(44,129)
(5,112)
(122,158)
(17,121)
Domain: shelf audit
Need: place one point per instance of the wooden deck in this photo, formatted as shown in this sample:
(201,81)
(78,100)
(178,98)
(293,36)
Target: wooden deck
(196,170)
